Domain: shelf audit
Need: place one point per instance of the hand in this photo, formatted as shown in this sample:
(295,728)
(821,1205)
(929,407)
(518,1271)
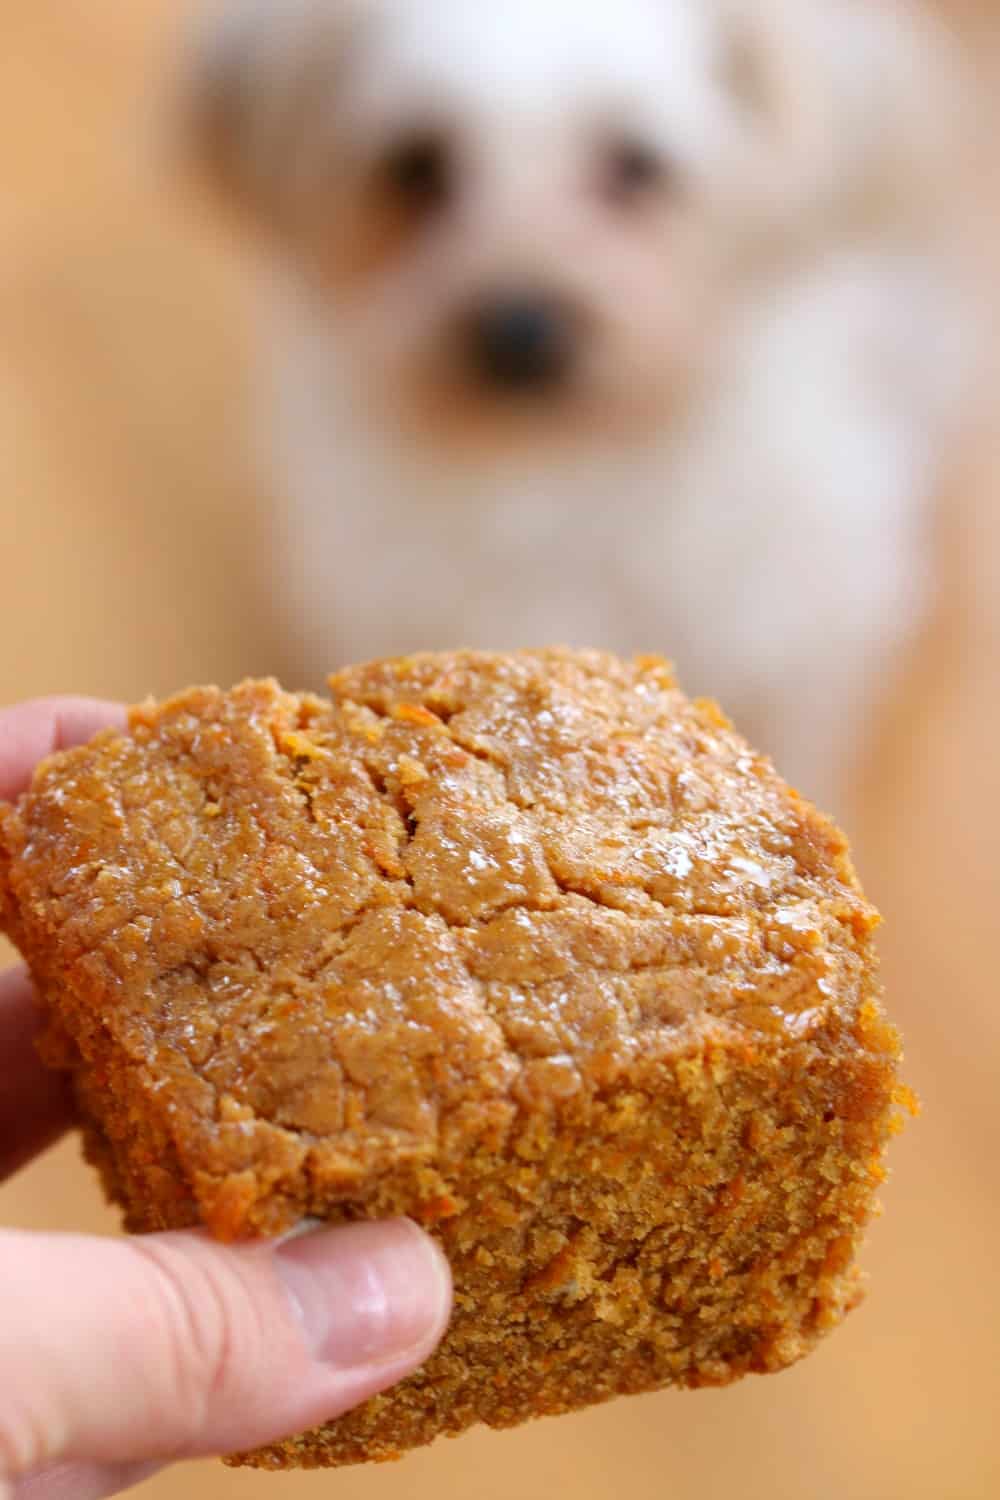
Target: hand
(117,1356)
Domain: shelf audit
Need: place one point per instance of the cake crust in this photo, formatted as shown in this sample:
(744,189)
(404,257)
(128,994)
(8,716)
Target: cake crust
(528,947)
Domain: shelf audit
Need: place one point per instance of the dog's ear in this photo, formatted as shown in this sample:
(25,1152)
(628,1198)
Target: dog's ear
(213,100)
(758,60)
(770,64)
(241,96)
(745,64)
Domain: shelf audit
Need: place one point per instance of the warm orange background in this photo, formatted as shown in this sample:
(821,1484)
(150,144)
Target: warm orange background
(127,543)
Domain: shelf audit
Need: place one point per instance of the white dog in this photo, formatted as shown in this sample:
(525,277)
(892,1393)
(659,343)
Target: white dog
(611,322)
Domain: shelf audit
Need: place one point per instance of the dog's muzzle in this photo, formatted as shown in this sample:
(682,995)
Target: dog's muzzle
(520,344)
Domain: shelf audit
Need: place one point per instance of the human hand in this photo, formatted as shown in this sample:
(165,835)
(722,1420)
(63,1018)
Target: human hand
(117,1356)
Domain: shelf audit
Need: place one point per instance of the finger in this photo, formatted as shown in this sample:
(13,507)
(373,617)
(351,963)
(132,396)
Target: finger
(165,1346)
(80,1481)
(30,731)
(35,1104)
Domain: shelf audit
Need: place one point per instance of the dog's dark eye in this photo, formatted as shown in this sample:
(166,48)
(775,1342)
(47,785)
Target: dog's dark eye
(633,169)
(418,171)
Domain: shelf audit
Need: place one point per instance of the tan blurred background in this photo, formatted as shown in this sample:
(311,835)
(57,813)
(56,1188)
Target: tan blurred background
(129,543)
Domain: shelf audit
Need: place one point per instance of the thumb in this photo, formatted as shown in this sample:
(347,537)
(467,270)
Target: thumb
(164,1346)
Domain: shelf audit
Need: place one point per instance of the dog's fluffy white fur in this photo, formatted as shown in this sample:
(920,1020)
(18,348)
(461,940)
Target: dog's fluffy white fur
(737,208)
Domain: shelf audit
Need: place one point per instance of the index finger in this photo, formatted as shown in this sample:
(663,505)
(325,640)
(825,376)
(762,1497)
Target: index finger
(35,1103)
(31,731)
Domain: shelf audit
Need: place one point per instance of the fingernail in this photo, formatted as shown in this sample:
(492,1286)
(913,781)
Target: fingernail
(367,1294)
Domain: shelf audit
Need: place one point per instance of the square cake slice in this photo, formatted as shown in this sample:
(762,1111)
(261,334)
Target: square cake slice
(530,948)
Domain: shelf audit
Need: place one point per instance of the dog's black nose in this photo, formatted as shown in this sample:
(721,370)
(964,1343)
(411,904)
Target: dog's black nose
(521,343)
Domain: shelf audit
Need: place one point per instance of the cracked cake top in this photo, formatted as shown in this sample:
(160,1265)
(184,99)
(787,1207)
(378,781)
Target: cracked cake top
(335,935)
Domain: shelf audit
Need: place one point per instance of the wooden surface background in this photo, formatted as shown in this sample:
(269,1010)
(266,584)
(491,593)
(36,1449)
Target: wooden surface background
(127,533)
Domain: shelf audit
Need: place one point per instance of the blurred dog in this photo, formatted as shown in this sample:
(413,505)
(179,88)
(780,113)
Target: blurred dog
(626,323)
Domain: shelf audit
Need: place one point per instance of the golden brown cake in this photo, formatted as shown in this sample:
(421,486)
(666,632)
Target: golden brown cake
(528,947)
